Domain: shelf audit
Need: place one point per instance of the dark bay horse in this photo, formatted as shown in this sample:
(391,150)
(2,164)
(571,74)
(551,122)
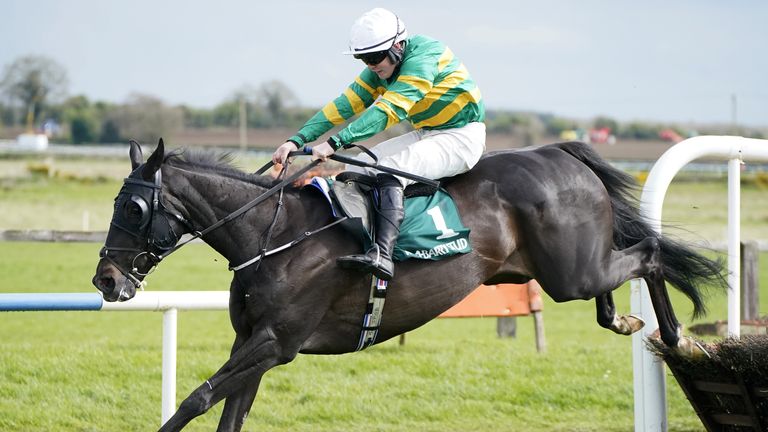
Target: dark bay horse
(558,213)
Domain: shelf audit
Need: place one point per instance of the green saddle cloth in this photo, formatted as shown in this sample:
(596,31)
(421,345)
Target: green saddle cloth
(431,229)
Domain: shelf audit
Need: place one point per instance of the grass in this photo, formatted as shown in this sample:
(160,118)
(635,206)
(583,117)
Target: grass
(700,209)
(100,371)
(88,371)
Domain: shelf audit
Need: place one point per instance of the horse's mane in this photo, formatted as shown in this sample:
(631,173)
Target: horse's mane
(216,162)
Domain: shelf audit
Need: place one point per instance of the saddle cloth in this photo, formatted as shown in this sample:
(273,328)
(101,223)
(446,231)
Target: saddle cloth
(431,229)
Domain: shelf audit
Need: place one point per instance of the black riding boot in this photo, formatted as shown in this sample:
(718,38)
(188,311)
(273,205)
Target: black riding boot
(378,259)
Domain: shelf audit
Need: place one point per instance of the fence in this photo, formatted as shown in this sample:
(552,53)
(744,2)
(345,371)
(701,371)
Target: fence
(168,302)
(486,301)
(649,385)
(506,302)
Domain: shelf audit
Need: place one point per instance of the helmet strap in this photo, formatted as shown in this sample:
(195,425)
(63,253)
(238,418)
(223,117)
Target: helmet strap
(395,52)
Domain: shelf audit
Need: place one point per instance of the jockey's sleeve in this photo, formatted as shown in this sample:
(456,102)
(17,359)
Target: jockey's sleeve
(355,99)
(432,89)
(415,80)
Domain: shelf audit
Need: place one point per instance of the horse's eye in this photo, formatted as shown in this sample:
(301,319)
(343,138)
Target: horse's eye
(133,212)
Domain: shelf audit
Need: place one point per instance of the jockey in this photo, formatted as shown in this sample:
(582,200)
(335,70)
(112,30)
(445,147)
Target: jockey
(415,78)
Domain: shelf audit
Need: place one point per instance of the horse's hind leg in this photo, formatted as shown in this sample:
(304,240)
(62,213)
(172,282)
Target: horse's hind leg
(650,268)
(608,318)
(593,277)
(669,327)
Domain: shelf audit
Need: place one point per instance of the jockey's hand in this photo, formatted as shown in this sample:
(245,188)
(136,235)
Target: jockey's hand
(281,154)
(322,151)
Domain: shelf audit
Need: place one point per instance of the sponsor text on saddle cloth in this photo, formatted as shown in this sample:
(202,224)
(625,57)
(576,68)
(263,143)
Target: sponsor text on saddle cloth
(431,229)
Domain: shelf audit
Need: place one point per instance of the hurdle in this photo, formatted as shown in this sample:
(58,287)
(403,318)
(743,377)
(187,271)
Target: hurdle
(648,371)
(506,302)
(168,302)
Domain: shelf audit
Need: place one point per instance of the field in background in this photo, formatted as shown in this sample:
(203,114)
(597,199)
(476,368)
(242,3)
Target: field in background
(77,193)
(100,371)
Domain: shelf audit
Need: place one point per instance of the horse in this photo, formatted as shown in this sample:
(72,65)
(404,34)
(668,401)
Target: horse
(558,213)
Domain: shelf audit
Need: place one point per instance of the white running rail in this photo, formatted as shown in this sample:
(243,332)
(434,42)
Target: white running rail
(649,385)
(168,302)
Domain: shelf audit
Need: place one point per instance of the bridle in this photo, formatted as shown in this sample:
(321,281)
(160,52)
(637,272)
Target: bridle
(150,224)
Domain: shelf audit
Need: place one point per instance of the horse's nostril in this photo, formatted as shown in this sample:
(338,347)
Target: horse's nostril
(106,283)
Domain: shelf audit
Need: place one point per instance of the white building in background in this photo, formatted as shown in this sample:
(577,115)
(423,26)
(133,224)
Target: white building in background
(32,141)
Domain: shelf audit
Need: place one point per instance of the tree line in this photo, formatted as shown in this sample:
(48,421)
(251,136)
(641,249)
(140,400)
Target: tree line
(35,97)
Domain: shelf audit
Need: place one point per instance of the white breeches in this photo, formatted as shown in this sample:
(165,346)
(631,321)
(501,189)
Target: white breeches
(432,154)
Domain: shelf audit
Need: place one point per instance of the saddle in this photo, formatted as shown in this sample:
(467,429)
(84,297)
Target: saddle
(431,229)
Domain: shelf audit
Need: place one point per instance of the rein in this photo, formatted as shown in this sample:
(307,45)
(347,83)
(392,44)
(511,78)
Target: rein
(256,201)
(305,152)
(352,161)
(133,274)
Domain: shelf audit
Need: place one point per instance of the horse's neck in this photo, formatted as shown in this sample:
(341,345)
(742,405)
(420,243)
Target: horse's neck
(207,198)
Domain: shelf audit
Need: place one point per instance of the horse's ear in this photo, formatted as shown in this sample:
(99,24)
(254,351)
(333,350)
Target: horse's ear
(154,162)
(136,157)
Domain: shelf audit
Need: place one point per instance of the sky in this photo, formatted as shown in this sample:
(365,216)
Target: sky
(690,61)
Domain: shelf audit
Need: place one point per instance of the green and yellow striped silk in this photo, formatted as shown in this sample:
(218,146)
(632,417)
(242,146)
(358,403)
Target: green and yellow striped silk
(432,89)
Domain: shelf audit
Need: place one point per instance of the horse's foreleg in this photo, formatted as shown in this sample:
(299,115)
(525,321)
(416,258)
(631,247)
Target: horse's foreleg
(608,318)
(236,408)
(237,405)
(244,369)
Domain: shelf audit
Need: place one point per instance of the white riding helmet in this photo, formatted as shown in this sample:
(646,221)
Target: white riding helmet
(376,30)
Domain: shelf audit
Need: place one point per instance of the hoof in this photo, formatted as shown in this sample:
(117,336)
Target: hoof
(688,347)
(627,324)
(634,322)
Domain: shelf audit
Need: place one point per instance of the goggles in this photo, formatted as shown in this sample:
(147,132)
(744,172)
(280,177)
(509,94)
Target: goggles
(372,58)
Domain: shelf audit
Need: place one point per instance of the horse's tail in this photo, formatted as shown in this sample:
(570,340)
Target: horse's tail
(684,268)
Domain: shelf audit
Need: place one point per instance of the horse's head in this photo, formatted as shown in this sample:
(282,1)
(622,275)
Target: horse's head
(143,230)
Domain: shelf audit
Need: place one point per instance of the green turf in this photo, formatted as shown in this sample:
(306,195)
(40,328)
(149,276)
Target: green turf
(101,370)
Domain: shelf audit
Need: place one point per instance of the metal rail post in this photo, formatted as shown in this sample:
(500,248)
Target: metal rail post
(169,364)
